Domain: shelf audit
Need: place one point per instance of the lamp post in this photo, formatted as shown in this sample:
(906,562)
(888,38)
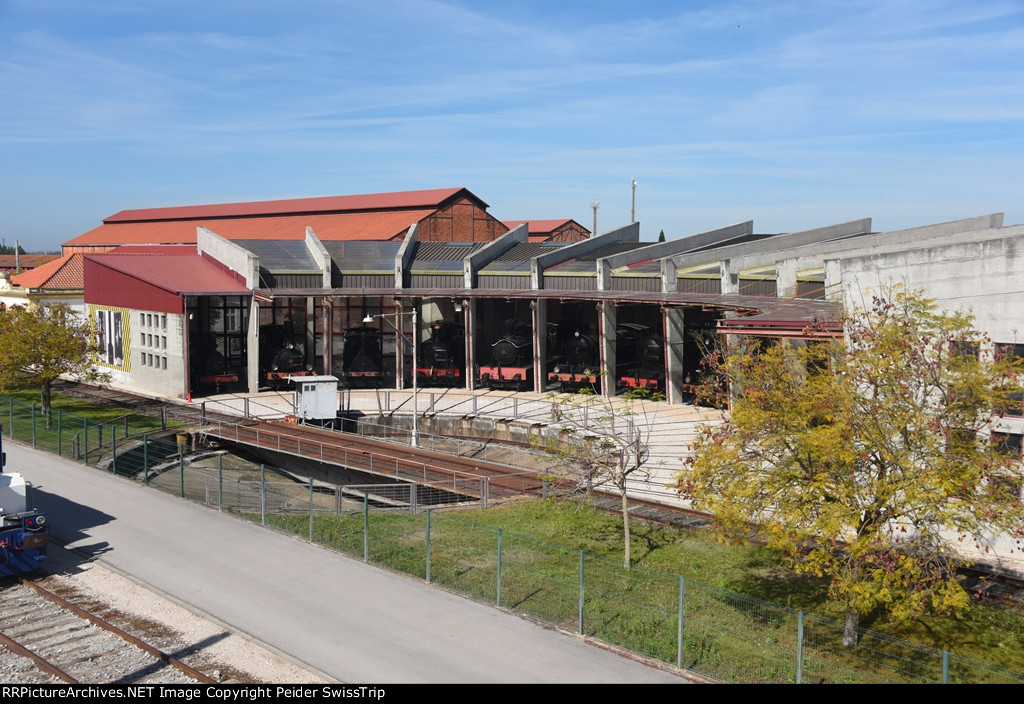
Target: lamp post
(415,385)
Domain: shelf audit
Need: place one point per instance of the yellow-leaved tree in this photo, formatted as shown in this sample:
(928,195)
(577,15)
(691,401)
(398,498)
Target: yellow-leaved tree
(868,460)
(40,343)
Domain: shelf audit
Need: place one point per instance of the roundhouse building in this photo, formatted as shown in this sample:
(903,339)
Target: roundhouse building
(306,274)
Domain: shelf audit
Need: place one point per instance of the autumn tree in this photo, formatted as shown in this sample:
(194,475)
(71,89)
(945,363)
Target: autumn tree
(39,344)
(602,445)
(868,460)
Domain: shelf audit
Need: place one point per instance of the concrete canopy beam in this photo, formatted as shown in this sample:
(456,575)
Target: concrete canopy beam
(491,251)
(320,255)
(403,258)
(231,255)
(751,255)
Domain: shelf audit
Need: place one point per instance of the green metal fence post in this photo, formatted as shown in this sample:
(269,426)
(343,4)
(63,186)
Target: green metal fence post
(10,413)
(33,425)
(181,469)
(800,646)
(366,526)
(85,441)
(220,482)
(113,445)
(311,509)
(263,495)
(428,546)
(945,667)
(499,567)
(145,458)
(60,429)
(679,624)
(580,616)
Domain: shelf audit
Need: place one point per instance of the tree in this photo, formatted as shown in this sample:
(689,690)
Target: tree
(868,460)
(661,236)
(603,443)
(41,343)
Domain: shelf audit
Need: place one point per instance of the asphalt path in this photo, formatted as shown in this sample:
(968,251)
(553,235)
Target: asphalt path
(351,621)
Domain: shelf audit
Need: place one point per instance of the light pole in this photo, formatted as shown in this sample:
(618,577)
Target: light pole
(415,385)
(632,209)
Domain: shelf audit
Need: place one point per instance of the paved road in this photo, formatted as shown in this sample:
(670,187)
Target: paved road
(350,620)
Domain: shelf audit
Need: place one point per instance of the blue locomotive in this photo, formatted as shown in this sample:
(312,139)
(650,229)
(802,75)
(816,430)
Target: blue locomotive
(25,532)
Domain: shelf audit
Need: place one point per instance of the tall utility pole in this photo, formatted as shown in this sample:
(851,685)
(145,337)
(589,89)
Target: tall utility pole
(594,204)
(632,209)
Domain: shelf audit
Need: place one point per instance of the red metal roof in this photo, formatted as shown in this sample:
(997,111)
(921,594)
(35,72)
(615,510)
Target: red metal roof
(328,204)
(336,227)
(60,274)
(188,274)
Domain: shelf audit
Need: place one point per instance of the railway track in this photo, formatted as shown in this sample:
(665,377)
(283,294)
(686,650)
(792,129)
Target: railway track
(413,464)
(56,641)
(449,472)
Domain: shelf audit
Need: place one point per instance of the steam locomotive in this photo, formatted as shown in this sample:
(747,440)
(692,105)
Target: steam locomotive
(24,531)
(640,357)
(512,360)
(579,363)
(208,367)
(442,359)
(363,357)
(279,357)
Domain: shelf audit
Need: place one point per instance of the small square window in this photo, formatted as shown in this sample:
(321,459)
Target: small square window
(1008,443)
(964,348)
(164,321)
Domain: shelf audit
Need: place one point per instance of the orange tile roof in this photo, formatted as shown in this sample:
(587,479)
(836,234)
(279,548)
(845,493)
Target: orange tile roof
(60,274)
(371,201)
(329,228)
(537,226)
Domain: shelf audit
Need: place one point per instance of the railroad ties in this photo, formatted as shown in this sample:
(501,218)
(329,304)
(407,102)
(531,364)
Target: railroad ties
(55,641)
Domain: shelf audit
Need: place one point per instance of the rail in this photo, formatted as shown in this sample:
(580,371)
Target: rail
(434,472)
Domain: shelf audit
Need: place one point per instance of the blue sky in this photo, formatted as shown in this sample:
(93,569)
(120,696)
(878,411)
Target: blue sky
(793,114)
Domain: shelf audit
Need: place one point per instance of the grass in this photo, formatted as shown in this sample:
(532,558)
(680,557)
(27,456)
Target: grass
(740,623)
(82,407)
(75,427)
(990,632)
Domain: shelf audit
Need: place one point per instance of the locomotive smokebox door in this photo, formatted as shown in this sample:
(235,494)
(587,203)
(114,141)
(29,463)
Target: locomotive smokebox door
(316,397)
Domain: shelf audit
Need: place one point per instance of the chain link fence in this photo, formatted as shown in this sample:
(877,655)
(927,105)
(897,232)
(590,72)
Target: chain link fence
(716,633)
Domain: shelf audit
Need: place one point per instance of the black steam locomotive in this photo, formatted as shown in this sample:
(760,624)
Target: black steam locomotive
(512,360)
(640,357)
(442,359)
(578,365)
(363,357)
(280,358)
(208,368)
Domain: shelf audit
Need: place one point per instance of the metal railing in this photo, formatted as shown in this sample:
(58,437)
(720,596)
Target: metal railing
(714,632)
